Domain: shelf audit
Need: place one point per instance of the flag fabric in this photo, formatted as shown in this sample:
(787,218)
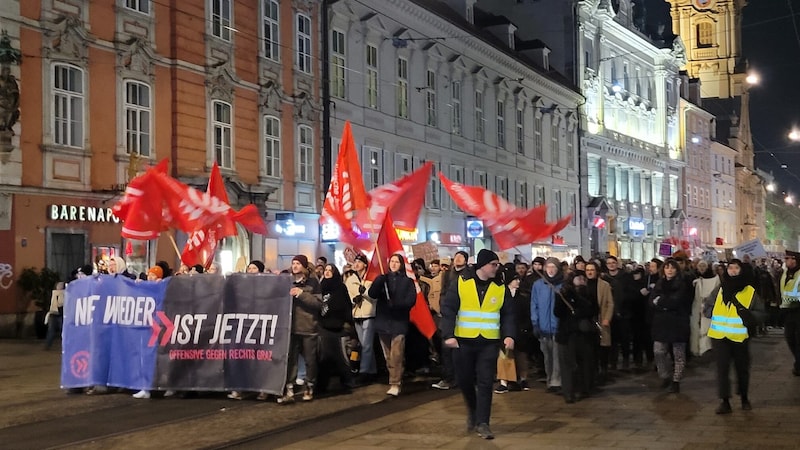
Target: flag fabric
(387,245)
(140,207)
(201,244)
(403,199)
(510,226)
(346,193)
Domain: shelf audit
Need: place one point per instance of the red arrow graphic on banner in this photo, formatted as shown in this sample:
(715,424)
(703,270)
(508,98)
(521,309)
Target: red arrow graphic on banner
(169,327)
(154,336)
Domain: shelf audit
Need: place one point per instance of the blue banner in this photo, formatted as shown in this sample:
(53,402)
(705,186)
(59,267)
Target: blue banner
(108,321)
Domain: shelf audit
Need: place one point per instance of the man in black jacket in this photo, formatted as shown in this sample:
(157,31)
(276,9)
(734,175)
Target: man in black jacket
(477,320)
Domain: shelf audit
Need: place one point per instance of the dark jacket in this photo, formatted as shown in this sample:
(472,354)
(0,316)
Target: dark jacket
(452,304)
(306,307)
(336,308)
(391,311)
(622,289)
(584,309)
(671,303)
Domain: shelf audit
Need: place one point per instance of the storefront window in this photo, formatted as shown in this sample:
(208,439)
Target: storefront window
(137,255)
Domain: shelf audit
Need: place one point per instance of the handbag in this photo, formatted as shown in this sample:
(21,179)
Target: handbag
(749,319)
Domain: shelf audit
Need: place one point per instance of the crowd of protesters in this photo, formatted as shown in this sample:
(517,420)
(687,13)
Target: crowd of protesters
(575,326)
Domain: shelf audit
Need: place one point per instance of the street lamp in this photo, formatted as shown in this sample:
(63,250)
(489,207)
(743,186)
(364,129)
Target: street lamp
(752,78)
(771,187)
(794,135)
(788,199)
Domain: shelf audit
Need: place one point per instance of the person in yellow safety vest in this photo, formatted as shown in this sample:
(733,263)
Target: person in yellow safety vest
(477,321)
(790,307)
(729,336)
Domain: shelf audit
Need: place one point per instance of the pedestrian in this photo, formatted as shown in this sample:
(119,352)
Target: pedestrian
(577,337)
(790,307)
(730,337)
(54,317)
(336,325)
(459,267)
(544,322)
(671,302)
(477,320)
(395,294)
(522,341)
(706,282)
(363,316)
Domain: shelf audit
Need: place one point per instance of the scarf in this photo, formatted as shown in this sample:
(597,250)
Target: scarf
(731,286)
(556,280)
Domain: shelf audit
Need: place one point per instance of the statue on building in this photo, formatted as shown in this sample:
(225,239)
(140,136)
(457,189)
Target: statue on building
(9,99)
(640,15)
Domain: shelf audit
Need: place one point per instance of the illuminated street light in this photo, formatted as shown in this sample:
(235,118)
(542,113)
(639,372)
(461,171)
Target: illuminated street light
(752,78)
(616,88)
(695,140)
(789,200)
(771,187)
(794,135)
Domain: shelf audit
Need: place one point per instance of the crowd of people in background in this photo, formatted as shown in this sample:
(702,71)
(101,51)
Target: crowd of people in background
(576,325)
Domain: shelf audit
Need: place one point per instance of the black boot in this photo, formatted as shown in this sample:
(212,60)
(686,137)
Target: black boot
(674,387)
(746,406)
(724,407)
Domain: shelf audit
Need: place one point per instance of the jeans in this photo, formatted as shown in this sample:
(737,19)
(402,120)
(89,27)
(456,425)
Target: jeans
(552,367)
(307,346)
(476,365)
(54,324)
(365,329)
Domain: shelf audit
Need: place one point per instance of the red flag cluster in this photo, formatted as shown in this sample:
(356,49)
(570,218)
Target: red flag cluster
(510,226)
(154,202)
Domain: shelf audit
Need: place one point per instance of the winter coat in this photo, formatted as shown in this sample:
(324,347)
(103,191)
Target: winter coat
(306,307)
(451,305)
(336,308)
(605,310)
(522,315)
(435,293)
(543,298)
(365,308)
(583,309)
(671,303)
(391,312)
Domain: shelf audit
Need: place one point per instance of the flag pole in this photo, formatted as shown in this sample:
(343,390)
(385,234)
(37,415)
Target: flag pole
(175,246)
(377,247)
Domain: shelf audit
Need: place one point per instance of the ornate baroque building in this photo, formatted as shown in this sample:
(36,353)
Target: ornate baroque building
(108,87)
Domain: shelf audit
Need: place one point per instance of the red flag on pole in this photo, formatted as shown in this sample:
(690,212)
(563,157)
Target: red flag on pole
(387,245)
(403,199)
(510,226)
(346,193)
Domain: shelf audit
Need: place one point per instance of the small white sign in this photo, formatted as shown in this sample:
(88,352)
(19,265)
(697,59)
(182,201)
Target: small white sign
(752,248)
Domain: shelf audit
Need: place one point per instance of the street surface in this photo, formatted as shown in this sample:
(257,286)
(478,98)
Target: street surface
(630,413)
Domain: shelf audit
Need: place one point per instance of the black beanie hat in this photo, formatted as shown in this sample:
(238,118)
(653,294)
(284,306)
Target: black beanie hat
(258,264)
(463,253)
(485,256)
(302,259)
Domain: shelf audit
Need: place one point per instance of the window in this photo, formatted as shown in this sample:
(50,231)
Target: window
(338,63)
(372,76)
(537,139)
(142,6)
(626,79)
(502,187)
(430,98)
(556,150)
(402,88)
(558,213)
(480,179)
(622,184)
(611,182)
(303,43)
(658,187)
(305,154)
(434,194)
(271,37)
(520,131)
(673,191)
(570,138)
(221,13)
(137,118)
(223,129)
(456,105)
(705,35)
(501,124)
(272,146)
(593,169)
(540,196)
(635,187)
(67,105)
(573,208)
(374,166)
(522,194)
(457,175)
(480,136)
(403,166)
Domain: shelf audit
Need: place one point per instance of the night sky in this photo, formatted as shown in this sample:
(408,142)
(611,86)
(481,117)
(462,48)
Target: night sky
(771,44)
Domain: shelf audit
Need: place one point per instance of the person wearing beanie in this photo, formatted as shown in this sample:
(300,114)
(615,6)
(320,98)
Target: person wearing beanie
(307,304)
(395,294)
(255,266)
(477,318)
(544,321)
(364,318)
(155,273)
(790,306)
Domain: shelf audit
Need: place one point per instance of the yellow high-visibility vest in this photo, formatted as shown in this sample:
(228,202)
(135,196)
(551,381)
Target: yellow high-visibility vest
(790,295)
(725,321)
(475,319)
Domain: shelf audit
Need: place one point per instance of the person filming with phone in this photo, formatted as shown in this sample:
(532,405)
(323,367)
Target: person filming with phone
(477,319)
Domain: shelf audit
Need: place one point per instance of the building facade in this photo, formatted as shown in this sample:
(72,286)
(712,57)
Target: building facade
(447,82)
(109,87)
(723,197)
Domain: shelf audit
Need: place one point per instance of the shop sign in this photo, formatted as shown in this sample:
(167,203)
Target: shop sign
(72,213)
(451,238)
(474,229)
(289,228)
(406,235)
(636,225)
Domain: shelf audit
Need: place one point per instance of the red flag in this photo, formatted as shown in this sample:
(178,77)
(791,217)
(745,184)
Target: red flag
(190,209)
(202,243)
(140,207)
(510,226)
(346,193)
(403,199)
(387,245)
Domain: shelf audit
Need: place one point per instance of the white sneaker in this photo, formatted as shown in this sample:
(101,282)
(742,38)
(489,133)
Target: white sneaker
(142,394)
(299,381)
(169,393)
(235,395)
(394,390)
